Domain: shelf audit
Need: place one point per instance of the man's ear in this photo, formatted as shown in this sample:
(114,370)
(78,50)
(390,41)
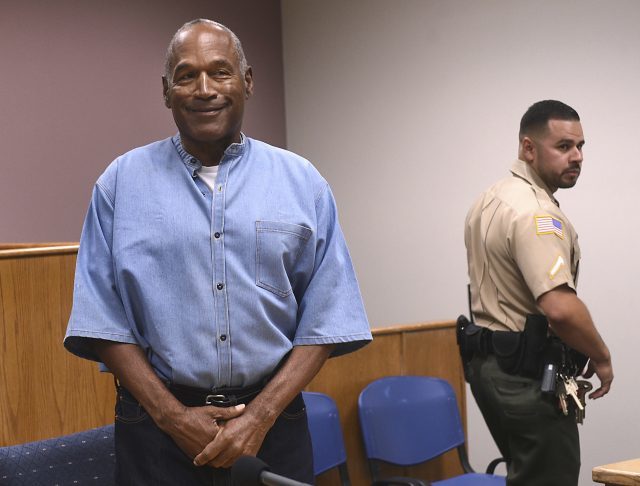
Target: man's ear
(528,149)
(248,83)
(165,92)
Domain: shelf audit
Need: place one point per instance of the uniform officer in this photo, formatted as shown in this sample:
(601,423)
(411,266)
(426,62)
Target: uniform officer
(523,257)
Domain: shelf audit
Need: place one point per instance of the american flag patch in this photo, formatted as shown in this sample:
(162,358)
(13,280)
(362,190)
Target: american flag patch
(547,225)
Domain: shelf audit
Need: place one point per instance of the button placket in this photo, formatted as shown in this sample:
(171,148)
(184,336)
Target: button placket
(220,285)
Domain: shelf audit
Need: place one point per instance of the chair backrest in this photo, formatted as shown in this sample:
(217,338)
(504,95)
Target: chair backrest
(86,457)
(406,420)
(326,434)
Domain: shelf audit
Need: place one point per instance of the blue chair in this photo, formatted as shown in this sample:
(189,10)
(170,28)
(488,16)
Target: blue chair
(408,420)
(326,435)
(86,457)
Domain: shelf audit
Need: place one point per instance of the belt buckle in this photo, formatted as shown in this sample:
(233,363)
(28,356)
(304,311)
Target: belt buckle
(220,400)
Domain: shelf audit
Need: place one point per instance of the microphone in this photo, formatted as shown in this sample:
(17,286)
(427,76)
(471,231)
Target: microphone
(251,471)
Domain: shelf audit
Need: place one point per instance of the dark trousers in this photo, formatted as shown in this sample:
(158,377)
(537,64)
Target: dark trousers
(145,455)
(541,444)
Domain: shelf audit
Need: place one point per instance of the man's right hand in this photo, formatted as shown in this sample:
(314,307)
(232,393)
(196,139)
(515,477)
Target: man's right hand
(604,371)
(193,428)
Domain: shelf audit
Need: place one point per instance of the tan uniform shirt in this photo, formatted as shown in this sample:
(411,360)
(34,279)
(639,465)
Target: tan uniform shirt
(519,246)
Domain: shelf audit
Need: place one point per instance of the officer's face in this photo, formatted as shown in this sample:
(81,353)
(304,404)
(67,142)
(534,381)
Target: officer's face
(556,154)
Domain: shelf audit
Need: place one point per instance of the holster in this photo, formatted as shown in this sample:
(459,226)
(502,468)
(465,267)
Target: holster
(464,338)
(471,340)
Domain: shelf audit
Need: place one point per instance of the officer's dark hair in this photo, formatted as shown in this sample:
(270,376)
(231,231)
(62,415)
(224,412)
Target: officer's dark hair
(538,115)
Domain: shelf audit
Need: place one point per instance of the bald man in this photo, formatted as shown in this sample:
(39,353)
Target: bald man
(213,280)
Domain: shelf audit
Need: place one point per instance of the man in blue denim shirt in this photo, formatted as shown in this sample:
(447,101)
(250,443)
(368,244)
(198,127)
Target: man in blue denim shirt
(213,281)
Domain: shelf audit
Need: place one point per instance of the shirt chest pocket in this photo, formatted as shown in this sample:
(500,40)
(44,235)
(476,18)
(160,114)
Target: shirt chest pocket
(278,248)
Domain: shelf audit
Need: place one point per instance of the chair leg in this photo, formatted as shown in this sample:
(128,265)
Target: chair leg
(464,459)
(344,475)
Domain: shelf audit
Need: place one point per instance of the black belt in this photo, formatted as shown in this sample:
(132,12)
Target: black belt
(219,397)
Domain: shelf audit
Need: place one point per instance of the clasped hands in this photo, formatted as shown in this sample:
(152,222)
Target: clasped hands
(215,436)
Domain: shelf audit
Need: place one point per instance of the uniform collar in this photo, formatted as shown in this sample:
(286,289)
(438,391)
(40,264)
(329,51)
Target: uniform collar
(194,165)
(523,170)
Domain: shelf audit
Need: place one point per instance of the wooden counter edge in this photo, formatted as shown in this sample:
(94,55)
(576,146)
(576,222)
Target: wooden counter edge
(618,473)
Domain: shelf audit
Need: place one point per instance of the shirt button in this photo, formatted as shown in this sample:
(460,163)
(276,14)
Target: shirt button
(216,235)
(223,337)
(220,286)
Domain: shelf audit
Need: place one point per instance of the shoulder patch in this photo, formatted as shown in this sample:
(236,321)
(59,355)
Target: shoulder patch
(557,266)
(548,225)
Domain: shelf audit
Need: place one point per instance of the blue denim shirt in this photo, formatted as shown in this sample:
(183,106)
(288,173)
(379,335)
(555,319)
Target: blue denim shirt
(216,288)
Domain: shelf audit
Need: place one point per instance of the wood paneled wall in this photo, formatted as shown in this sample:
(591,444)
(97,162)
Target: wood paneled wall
(45,391)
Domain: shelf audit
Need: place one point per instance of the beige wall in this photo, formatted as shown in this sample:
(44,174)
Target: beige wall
(81,84)
(411,108)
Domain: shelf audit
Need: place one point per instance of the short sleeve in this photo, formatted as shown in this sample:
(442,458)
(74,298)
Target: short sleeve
(97,311)
(331,310)
(541,244)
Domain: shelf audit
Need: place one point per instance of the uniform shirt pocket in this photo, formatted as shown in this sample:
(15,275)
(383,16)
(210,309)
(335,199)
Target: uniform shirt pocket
(278,247)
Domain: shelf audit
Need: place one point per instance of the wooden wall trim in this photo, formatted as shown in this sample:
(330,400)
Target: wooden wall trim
(416,327)
(17,250)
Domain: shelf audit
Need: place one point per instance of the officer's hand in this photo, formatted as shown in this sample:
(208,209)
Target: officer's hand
(238,437)
(194,427)
(604,371)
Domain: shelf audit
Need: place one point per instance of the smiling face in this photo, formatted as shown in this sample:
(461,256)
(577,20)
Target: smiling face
(556,153)
(206,91)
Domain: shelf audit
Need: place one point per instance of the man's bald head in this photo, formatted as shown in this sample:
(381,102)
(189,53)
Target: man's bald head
(169,61)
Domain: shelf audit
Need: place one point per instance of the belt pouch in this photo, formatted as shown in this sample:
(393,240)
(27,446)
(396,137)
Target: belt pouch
(508,350)
(476,342)
(535,343)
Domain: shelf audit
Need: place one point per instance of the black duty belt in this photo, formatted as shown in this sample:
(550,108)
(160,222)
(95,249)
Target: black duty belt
(219,397)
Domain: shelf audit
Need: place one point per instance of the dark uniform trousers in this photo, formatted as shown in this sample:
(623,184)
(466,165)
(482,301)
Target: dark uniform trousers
(541,444)
(145,455)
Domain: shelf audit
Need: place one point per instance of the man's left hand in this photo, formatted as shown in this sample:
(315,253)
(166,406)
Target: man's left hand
(237,437)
